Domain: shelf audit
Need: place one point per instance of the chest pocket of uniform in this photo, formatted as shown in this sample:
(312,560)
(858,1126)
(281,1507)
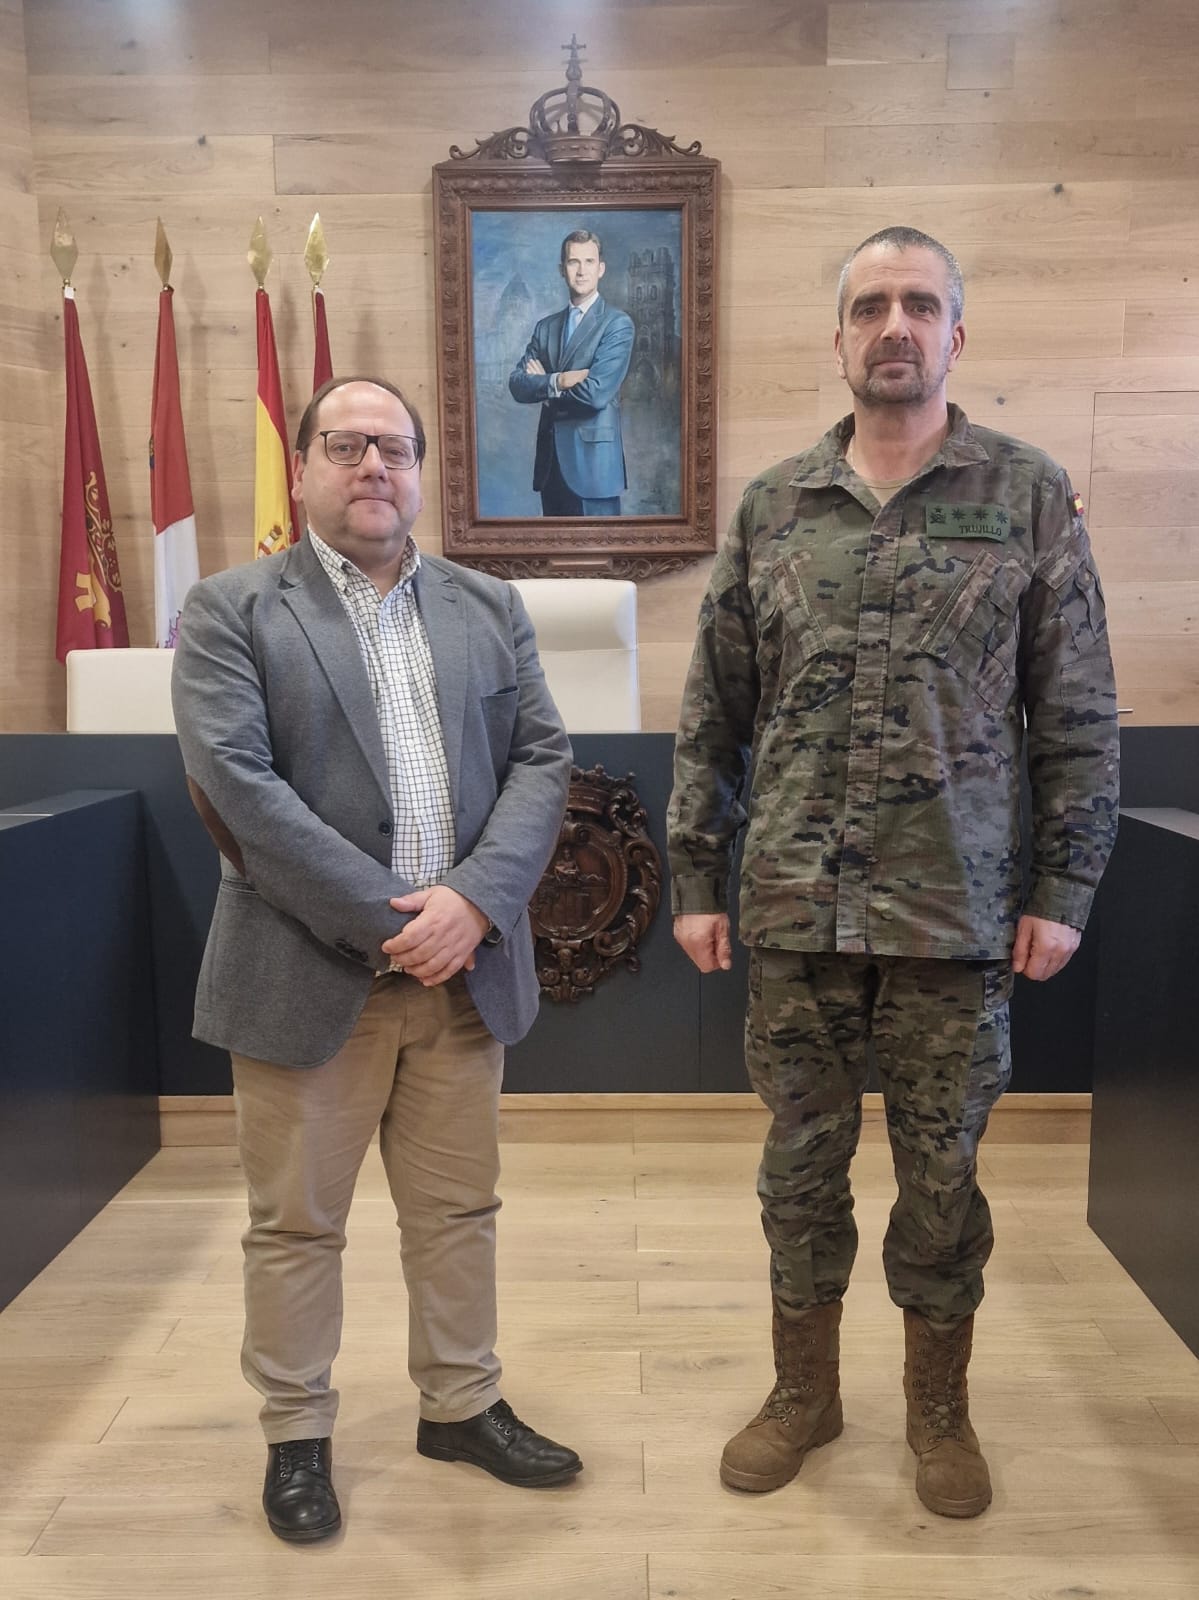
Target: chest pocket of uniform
(787,625)
(977,630)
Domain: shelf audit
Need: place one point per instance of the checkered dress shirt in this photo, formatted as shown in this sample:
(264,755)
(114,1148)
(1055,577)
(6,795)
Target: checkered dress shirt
(395,649)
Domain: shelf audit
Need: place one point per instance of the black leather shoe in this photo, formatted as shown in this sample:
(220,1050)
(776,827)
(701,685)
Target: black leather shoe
(298,1493)
(499,1442)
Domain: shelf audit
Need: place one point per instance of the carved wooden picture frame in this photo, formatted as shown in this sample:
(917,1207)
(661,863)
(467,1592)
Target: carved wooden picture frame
(502,215)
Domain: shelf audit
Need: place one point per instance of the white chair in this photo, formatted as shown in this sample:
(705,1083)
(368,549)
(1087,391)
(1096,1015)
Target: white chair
(587,640)
(586,636)
(119,691)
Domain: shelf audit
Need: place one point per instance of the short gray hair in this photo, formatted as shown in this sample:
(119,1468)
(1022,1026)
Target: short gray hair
(900,238)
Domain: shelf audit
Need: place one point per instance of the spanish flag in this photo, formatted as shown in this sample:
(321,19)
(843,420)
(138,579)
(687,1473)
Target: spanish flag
(176,564)
(274,510)
(91,605)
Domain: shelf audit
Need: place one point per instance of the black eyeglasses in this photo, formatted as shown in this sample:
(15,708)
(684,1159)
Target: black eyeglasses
(345,448)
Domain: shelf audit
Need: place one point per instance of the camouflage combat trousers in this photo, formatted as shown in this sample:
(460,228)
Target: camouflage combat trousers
(940,1036)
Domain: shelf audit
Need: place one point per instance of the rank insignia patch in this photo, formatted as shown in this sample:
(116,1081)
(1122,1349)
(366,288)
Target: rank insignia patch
(943,521)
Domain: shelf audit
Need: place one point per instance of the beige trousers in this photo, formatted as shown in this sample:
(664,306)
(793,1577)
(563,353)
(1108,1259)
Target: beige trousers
(422,1068)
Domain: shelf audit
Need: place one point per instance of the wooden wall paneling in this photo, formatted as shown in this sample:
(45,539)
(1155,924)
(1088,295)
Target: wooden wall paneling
(400,278)
(1150,403)
(663,666)
(1166,212)
(1042,152)
(1161,329)
(225,334)
(667,607)
(1157,678)
(747,448)
(87,168)
(789,391)
(1144,608)
(1141,499)
(1075,378)
(919,31)
(28,692)
(1146,555)
(998,213)
(1015,269)
(201,226)
(1050,142)
(384,160)
(981,61)
(1150,563)
(1165,440)
(358,100)
(128,40)
(481,38)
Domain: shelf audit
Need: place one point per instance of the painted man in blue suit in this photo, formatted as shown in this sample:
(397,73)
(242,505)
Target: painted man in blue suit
(573,368)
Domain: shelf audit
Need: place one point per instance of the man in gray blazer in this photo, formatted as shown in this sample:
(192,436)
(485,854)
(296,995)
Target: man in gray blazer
(368,735)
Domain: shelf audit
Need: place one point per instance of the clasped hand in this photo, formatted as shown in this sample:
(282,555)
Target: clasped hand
(442,937)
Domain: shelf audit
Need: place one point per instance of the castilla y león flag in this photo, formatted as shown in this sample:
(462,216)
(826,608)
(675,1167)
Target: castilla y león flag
(91,606)
(176,566)
(274,513)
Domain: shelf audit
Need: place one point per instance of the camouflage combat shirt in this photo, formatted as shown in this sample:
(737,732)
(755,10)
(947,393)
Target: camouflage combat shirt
(859,694)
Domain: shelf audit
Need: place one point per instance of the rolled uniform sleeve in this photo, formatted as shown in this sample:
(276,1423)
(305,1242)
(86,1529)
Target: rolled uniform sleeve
(1070,705)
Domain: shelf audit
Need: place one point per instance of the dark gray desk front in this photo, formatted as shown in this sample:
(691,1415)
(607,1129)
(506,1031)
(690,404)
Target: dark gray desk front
(78,1065)
(663,1029)
(1144,1180)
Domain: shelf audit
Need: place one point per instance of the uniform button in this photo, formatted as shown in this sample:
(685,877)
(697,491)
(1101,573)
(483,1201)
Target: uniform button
(385,827)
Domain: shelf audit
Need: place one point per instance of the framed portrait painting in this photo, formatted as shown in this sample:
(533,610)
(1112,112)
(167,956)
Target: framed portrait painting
(577,355)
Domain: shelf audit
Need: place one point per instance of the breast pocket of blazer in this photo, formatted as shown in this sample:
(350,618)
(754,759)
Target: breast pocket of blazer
(499,720)
(977,630)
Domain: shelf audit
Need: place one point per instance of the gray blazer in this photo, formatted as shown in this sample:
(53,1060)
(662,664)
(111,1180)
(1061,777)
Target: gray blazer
(278,728)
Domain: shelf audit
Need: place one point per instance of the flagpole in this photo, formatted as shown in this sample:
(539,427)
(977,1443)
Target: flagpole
(275,525)
(316,259)
(91,604)
(176,561)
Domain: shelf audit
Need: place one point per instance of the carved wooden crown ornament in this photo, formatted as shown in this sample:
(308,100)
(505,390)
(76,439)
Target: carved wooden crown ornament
(574,127)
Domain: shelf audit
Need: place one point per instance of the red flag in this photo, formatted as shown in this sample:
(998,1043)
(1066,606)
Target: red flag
(91,606)
(274,509)
(176,564)
(322,366)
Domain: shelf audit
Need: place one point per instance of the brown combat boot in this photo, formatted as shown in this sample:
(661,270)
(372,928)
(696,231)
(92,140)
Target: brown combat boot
(803,1409)
(951,1474)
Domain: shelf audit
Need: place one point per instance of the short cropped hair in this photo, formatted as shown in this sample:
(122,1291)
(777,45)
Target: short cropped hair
(901,238)
(306,432)
(580,236)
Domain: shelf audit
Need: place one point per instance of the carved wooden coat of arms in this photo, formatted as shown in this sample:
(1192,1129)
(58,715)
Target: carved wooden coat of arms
(600,891)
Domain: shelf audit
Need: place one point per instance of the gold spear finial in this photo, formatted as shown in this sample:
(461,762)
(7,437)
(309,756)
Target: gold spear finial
(64,252)
(162,255)
(259,253)
(316,254)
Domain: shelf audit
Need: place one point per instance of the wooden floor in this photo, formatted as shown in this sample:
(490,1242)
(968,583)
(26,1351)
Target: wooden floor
(634,1325)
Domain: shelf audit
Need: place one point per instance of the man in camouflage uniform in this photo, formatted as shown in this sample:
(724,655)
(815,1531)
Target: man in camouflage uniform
(895,614)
